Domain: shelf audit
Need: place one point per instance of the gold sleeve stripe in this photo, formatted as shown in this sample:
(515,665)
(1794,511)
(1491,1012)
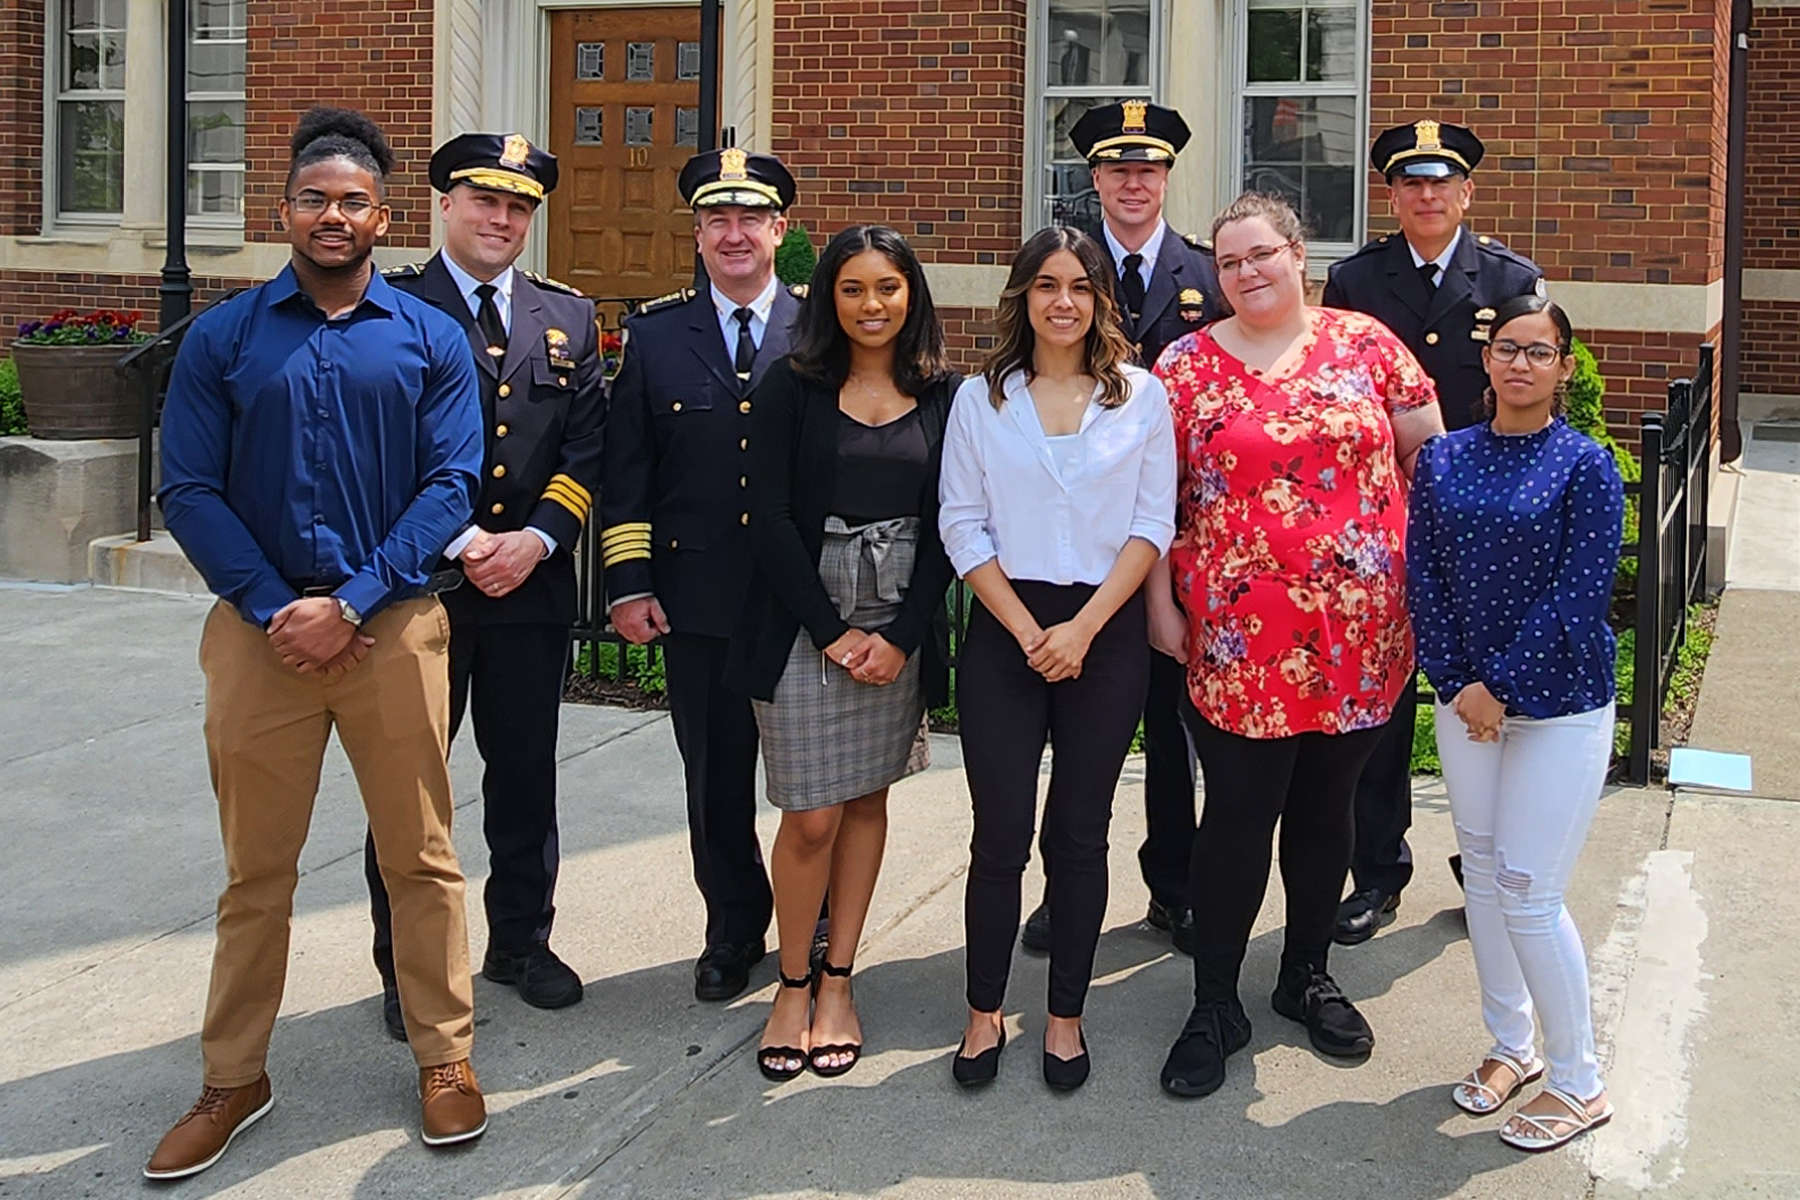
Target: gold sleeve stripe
(610,558)
(630,539)
(568,499)
(585,495)
(580,514)
(614,533)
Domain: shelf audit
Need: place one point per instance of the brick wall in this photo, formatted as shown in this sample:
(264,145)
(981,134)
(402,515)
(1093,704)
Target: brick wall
(345,53)
(31,296)
(21,116)
(1771,332)
(906,115)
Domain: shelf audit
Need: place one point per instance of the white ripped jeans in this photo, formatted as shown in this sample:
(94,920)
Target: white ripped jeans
(1522,807)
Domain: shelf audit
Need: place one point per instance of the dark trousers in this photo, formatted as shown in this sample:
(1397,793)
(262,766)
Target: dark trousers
(1307,783)
(716,734)
(1006,710)
(1382,859)
(509,679)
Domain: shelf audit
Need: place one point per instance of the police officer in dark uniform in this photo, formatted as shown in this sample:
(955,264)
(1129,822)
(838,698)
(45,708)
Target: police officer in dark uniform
(1435,285)
(1166,287)
(536,348)
(673,537)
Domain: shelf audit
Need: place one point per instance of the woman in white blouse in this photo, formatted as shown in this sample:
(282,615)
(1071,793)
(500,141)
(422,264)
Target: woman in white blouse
(1058,494)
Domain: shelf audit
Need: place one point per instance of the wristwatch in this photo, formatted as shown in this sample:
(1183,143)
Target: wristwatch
(348,612)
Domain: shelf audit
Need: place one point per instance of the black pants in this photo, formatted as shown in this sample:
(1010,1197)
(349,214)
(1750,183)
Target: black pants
(1005,710)
(509,679)
(1307,783)
(716,734)
(1382,859)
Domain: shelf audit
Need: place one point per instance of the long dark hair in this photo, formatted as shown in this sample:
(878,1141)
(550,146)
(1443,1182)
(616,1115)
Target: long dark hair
(324,133)
(1108,349)
(1523,306)
(822,348)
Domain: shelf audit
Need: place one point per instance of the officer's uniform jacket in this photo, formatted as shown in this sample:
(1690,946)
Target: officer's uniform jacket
(543,405)
(1183,295)
(1444,326)
(674,514)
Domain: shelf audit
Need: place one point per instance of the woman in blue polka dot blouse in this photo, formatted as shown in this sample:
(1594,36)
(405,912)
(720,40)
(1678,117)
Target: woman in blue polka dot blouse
(1512,541)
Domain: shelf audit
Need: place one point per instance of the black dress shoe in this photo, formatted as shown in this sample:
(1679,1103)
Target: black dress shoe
(723,971)
(982,1068)
(1313,998)
(543,980)
(1365,912)
(1067,1074)
(391,1019)
(1036,933)
(1214,1032)
(1178,923)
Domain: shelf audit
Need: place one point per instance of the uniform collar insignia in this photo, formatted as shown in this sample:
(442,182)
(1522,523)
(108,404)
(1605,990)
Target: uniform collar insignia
(1192,297)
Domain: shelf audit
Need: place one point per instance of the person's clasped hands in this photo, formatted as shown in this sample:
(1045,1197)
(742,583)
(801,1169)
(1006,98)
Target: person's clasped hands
(1480,711)
(311,635)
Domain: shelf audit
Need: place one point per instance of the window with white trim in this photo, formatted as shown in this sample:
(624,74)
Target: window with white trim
(1094,52)
(215,93)
(1302,108)
(87,83)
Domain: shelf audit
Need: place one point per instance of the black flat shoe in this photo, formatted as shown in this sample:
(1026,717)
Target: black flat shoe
(835,1049)
(1456,869)
(773,1061)
(1313,998)
(1363,915)
(723,970)
(981,1069)
(1178,923)
(1067,1074)
(1196,1064)
(1035,936)
(391,1020)
(542,979)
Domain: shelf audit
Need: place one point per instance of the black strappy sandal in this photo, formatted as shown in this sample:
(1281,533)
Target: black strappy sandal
(772,1060)
(853,1049)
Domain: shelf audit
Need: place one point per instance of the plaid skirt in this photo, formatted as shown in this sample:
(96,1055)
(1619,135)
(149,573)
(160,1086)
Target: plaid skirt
(826,737)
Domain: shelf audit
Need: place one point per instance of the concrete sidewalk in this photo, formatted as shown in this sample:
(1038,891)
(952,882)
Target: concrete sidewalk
(111,867)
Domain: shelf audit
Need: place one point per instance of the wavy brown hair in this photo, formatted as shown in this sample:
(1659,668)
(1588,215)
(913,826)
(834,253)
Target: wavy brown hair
(1108,349)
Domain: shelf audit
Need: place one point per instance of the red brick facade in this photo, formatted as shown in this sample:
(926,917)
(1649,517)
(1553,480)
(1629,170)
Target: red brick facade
(21,116)
(1771,359)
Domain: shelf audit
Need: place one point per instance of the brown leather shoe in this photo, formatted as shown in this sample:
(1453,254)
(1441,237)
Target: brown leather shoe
(451,1104)
(201,1138)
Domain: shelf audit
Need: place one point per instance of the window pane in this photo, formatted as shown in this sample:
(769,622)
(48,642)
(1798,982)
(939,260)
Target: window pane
(687,60)
(94,60)
(91,156)
(216,131)
(1069,196)
(218,19)
(589,122)
(215,66)
(1098,42)
(637,126)
(687,127)
(590,60)
(1331,45)
(1273,45)
(1304,148)
(640,61)
(216,192)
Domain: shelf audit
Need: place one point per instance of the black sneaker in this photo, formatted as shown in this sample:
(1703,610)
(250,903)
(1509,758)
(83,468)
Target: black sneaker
(1176,921)
(391,1020)
(1196,1064)
(543,980)
(1314,999)
(1036,933)
(1363,915)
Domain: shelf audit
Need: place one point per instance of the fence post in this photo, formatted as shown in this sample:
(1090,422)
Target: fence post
(1646,649)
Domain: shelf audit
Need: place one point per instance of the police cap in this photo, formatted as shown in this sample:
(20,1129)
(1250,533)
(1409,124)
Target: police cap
(1430,148)
(733,175)
(1135,131)
(499,162)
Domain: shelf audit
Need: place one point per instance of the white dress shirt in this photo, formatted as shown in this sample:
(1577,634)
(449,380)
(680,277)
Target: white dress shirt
(1151,249)
(503,288)
(759,315)
(1442,260)
(1004,495)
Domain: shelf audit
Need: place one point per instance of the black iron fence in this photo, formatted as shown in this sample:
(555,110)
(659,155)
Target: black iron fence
(1671,550)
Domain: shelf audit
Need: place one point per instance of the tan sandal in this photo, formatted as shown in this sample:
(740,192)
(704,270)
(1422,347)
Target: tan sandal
(1536,1131)
(1478,1099)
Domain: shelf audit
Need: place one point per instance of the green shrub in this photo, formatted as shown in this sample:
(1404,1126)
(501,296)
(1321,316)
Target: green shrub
(12,407)
(795,258)
(1587,395)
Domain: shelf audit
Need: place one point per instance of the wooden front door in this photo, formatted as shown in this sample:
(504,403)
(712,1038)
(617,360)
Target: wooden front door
(624,119)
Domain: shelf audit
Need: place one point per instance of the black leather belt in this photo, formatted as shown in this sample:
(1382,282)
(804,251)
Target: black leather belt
(437,581)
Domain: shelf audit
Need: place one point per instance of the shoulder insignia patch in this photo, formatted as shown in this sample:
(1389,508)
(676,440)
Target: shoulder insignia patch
(403,271)
(798,290)
(552,285)
(679,296)
(1198,242)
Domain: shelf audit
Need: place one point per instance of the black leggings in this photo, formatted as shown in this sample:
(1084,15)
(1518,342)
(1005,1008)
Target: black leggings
(1308,783)
(1006,709)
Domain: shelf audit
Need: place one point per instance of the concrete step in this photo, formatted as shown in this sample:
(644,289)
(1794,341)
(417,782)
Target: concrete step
(157,565)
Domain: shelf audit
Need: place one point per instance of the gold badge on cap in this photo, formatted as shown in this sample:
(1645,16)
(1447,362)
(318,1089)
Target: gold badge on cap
(1427,134)
(732,161)
(515,152)
(1134,115)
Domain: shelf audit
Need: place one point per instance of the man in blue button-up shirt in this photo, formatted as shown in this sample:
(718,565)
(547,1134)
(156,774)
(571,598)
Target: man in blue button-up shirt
(321,443)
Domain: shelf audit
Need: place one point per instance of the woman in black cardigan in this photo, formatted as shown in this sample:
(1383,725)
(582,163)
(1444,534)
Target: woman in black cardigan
(843,642)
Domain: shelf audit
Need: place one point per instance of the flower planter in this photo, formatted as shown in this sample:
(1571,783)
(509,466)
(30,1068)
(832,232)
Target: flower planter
(72,391)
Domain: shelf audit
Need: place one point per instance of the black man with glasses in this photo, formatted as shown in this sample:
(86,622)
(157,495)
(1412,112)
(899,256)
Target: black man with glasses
(1436,286)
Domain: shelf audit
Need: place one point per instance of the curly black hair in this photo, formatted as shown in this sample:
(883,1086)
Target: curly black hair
(325,133)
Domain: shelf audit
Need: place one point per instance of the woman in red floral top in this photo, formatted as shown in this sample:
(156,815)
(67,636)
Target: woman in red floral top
(1296,429)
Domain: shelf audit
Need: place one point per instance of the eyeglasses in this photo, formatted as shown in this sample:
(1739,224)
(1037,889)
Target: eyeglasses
(1538,354)
(1258,258)
(312,203)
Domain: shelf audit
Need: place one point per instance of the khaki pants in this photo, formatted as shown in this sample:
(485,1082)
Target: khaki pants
(266,730)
